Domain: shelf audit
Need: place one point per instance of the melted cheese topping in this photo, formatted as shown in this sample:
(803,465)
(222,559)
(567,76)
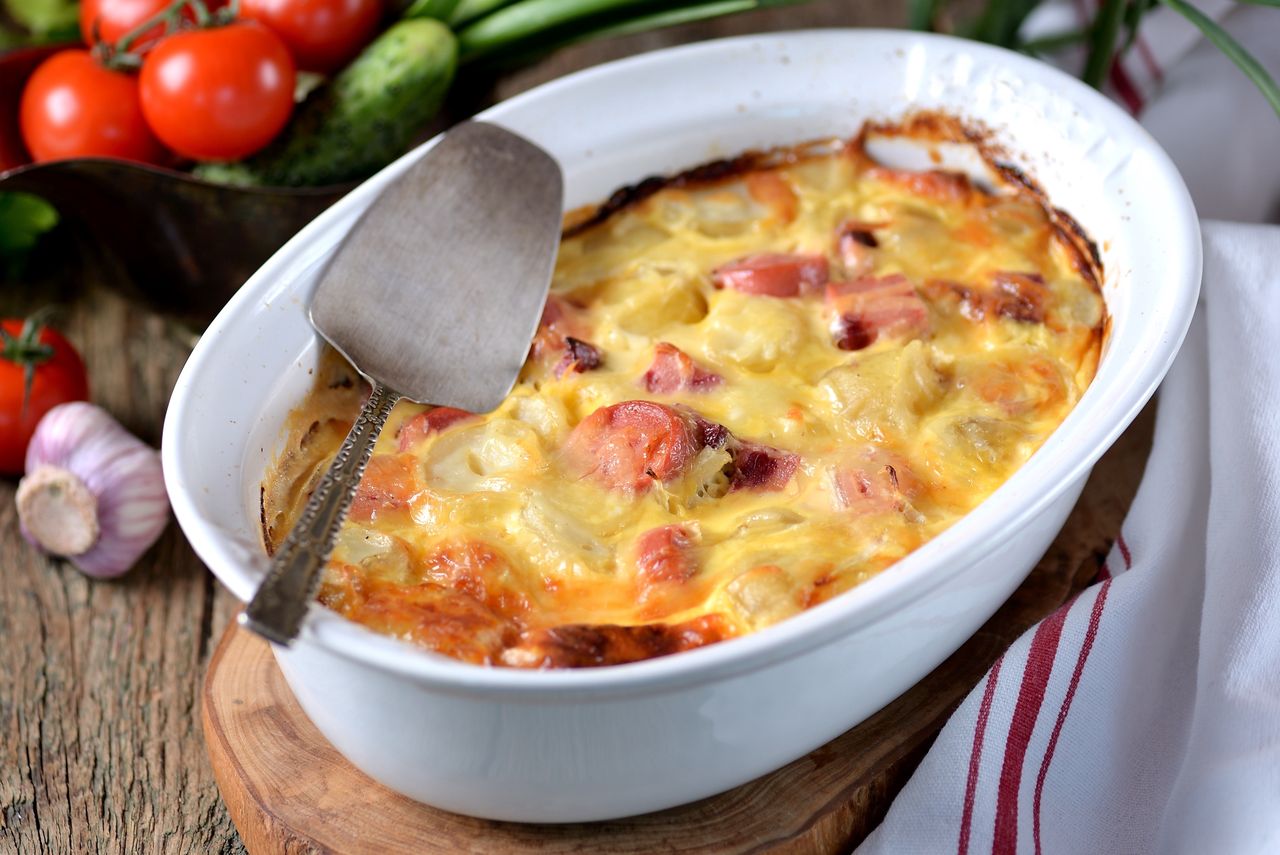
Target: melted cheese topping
(801,444)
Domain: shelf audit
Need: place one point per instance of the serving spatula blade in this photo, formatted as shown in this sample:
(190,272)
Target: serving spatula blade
(437,290)
(433,295)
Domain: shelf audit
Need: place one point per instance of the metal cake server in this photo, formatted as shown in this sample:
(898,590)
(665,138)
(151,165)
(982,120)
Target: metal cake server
(434,296)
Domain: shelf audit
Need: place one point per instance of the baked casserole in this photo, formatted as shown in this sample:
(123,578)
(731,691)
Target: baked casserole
(755,385)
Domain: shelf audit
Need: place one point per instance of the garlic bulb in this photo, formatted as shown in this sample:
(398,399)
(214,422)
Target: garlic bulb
(93,492)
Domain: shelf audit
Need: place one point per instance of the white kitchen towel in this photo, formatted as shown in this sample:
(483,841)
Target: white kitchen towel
(1217,127)
(1144,717)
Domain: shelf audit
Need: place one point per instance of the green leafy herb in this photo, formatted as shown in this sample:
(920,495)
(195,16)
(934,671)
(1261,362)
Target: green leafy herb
(1107,37)
(38,22)
(1102,43)
(23,218)
(921,14)
(438,9)
(1223,41)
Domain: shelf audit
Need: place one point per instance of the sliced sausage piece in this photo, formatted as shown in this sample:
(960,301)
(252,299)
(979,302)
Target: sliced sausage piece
(709,434)
(389,484)
(434,420)
(674,370)
(880,482)
(664,554)
(630,445)
(774,274)
(594,645)
(1017,296)
(1020,296)
(561,320)
(775,193)
(868,308)
(665,562)
(762,467)
(579,356)
(856,242)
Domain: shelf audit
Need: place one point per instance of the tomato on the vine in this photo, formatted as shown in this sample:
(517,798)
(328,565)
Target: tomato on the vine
(108,20)
(39,369)
(322,35)
(220,93)
(74,107)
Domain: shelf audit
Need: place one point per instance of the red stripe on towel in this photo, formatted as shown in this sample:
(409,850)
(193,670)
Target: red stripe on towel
(1149,59)
(975,757)
(1124,551)
(1044,648)
(1125,89)
(1094,618)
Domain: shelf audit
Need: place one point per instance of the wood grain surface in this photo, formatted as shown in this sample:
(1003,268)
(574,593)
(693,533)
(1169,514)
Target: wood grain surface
(289,791)
(99,681)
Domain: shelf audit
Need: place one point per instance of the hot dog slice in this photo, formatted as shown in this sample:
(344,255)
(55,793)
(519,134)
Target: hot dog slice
(870,307)
(632,445)
(774,274)
(674,370)
(418,428)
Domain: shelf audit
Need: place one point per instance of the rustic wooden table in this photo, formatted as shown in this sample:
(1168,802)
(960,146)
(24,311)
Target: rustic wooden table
(99,681)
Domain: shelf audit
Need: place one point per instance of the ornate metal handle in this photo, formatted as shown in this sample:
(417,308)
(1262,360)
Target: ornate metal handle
(282,600)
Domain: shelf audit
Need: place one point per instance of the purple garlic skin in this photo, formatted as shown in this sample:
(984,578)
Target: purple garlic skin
(93,492)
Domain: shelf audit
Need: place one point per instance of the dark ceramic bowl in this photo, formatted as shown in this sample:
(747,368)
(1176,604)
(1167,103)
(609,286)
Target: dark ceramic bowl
(185,245)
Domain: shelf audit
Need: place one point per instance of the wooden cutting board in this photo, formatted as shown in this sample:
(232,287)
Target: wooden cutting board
(289,791)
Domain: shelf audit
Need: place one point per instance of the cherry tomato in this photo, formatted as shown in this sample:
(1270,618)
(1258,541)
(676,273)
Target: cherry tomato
(73,107)
(322,35)
(113,18)
(218,94)
(36,353)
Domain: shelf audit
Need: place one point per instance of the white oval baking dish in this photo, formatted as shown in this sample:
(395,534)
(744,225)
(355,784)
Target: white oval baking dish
(595,744)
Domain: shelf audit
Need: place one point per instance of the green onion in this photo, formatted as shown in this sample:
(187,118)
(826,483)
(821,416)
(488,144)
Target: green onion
(684,14)
(1055,41)
(1000,20)
(438,9)
(469,10)
(922,13)
(1106,29)
(1223,41)
(527,19)
(530,28)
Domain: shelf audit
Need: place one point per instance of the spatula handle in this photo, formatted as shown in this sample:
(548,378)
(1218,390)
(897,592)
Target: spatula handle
(282,600)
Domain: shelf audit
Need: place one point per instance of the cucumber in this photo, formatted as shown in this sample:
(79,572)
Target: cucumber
(365,118)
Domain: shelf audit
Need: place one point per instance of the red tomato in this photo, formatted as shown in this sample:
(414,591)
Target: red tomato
(218,94)
(113,18)
(73,107)
(322,35)
(56,374)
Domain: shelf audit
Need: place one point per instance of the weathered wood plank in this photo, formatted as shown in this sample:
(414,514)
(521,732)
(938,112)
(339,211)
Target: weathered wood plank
(99,683)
